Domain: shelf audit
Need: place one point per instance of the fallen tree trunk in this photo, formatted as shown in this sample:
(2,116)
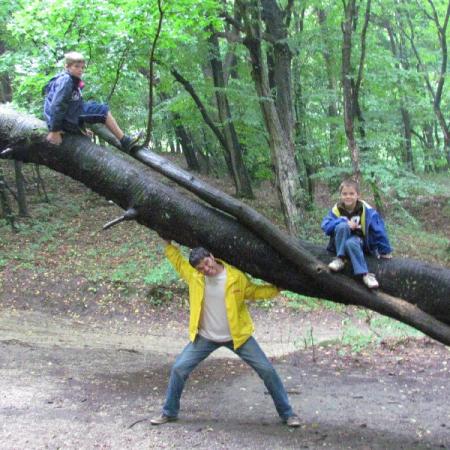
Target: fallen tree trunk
(175,216)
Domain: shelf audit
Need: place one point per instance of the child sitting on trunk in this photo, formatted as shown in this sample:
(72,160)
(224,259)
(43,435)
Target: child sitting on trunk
(65,110)
(355,228)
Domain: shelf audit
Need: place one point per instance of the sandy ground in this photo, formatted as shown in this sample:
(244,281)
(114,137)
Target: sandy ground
(66,384)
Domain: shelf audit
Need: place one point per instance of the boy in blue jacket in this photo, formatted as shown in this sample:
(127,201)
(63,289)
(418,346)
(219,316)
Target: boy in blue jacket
(355,228)
(65,110)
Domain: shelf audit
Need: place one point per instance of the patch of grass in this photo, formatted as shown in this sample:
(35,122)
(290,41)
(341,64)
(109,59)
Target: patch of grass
(303,303)
(380,328)
(387,327)
(124,272)
(425,246)
(163,273)
(265,304)
(354,338)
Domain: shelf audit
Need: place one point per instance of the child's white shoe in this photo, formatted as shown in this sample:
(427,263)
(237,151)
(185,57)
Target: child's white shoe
(370,281)
(337,264)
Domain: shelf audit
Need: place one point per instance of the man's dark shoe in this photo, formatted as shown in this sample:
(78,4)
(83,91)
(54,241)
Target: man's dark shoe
(131,143)
(159,420)
(293,421)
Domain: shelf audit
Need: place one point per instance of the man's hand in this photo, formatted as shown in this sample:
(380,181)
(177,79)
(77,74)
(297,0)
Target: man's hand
(55,137)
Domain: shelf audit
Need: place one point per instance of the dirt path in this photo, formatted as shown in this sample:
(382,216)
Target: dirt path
(74,385)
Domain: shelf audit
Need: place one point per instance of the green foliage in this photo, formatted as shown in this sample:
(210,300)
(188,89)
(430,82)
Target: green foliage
(124,272)
(161,274)
(304,303)
(354,338)
(116,38)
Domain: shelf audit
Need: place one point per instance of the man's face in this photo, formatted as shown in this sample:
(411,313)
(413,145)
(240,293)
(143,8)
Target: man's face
(349,197)
(208,266)
(76,69)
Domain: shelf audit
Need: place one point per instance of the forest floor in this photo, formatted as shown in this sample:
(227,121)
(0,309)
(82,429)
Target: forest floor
(91,322)
(72,384)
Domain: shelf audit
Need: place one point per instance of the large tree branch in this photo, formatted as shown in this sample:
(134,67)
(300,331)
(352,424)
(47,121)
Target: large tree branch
(174,216)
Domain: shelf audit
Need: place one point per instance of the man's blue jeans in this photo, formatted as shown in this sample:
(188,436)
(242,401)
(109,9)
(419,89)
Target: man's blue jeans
(250,352)
(351,246)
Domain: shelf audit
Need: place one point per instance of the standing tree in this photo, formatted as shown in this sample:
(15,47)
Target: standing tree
(351,84)
(441,25)
(277,108)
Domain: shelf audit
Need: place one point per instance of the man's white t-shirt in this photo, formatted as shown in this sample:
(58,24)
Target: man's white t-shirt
(213,322)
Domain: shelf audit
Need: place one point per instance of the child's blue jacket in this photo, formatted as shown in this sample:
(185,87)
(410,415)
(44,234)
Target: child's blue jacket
(376,241)
(63,103)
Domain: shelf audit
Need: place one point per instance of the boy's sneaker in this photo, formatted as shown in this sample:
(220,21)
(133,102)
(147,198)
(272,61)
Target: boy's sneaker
(370,281)
(293,421)
(337,264)
(130,143)
(159,420)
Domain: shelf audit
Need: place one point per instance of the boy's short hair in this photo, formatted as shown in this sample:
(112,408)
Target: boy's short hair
(349,182)
(197,254)
(73,58)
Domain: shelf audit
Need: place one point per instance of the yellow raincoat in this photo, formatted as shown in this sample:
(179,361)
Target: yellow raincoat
(238,288)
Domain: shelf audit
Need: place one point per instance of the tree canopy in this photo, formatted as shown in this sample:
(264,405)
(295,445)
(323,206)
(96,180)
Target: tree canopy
(397,127)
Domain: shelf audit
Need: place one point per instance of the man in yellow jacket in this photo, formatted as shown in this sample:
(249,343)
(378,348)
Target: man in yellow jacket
(219,317)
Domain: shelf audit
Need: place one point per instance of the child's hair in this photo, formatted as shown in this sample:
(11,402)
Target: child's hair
(349,182)
(73,58)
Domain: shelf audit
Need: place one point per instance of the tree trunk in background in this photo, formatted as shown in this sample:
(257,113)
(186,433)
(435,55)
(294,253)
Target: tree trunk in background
(429,147)
(304,164)
(175,216)
(208,120)
(436,92)
(398,49)
(5,89)
(5,82)
(240,173)
(6,209)
(276,23)
(332,87)
(21,191)
(408,158)
(304,159)
(347,74)
(183,140)
(40,185)
(5,97)
(186,144)
(280,135)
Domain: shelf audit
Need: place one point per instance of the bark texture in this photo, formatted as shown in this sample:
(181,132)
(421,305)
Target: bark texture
(173,215)
(280,141)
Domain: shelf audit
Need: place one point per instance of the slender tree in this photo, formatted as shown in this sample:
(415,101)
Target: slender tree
(278,113)
(351,84)
(436,92)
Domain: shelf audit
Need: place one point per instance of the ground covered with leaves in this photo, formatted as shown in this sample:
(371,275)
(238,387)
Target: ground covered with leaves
(91,321)
(66,384)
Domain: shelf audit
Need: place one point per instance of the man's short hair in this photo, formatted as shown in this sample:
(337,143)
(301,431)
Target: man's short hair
(349,182)
(73,58)
(197,254)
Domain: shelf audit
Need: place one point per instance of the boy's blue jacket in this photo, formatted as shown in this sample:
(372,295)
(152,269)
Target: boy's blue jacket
(375,238)
(63,103)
